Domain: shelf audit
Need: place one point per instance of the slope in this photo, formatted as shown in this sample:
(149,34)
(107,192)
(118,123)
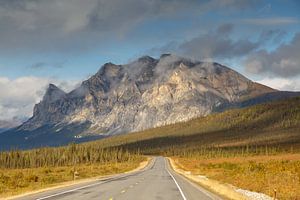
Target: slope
(274,124)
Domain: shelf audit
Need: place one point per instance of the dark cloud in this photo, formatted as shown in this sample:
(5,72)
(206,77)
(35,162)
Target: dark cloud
(43,65)
(283,62)
(214,44)
(225,29)
(218,44)
(38,65)
(64,25)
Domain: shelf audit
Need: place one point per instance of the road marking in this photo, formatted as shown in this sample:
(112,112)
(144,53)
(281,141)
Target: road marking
(99,183)
(202,190)
(212,196)
(68,191)
(180,190)
(102,182)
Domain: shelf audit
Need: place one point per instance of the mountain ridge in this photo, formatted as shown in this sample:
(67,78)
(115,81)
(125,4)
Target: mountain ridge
(109,77)
(143,94)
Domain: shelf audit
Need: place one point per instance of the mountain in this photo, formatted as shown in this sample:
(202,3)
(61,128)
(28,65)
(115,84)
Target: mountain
(274,124)
(8,124)
(143,94)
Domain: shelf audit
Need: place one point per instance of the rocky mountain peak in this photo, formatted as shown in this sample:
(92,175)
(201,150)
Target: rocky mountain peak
(53,93)
(145,93)
(165,55)
(146,59)
(108,70)
(52,88)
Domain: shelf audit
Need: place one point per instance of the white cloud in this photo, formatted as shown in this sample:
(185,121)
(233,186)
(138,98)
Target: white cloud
(282,83)
(18,96)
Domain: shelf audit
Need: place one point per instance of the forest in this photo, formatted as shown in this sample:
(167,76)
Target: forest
(234,143)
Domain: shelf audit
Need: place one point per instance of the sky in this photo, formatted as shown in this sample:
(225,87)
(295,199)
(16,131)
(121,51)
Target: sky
(66,41)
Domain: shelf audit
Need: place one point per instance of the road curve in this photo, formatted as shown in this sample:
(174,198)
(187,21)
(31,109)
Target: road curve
(156,181)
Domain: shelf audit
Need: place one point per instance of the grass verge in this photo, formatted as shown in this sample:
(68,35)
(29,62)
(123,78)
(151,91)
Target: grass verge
(19,181)
(262,174)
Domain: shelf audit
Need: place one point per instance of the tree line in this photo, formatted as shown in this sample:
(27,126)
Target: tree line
(65,156)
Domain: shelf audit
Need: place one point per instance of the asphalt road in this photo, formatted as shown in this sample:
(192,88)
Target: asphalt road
(156,182)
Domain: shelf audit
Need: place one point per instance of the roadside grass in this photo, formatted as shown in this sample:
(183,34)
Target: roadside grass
(18,181)
(261,173)
(263,131)
(255,148)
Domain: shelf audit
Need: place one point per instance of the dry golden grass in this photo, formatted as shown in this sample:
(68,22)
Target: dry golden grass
(245,136)
(255,173)
(18,181)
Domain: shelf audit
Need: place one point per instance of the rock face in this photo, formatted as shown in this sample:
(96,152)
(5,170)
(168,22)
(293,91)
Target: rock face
(143,94)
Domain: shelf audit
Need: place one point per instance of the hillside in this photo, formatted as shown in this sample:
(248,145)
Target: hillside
(222,145)
(8,124)
(273,124)
(143,94)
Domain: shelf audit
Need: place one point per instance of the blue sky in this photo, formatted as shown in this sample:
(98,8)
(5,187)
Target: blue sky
(65,41)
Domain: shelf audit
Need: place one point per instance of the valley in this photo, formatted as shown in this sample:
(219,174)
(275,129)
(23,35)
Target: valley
(149,100)
(260,142)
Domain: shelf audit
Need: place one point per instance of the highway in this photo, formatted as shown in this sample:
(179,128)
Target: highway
(156,182)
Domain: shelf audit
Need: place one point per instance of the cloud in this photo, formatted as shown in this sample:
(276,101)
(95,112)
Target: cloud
(123,14)
(284,84)
(63,25)
(282,62)
(215,45)
(274,36)
(38,65)
(230,4)
(18,96)
(42,65)
(271,21)
(218,44)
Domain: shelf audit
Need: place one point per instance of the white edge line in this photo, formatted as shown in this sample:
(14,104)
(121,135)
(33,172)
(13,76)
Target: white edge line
(180,190)
(68,191)
(207,193)
(83,187)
